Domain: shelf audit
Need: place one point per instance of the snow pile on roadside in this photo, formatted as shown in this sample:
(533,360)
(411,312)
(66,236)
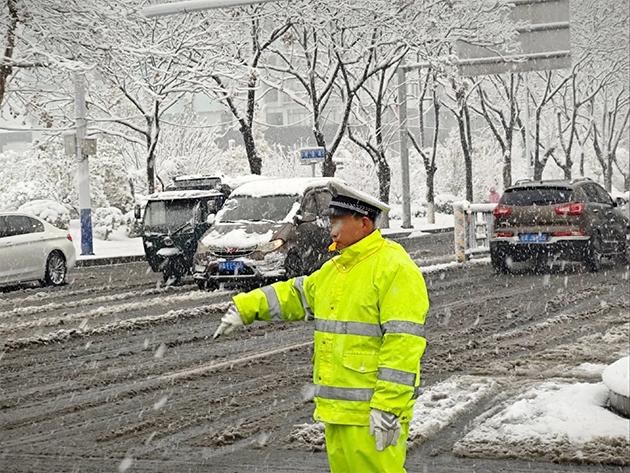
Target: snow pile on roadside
(442,404)
(556,422)
(617,376)
(435,409)
(307,435)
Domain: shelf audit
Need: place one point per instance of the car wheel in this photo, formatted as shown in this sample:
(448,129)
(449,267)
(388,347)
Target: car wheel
(499,262)
(206,285)
(293,266)
(170,275)
(594,253)
(56,270)
(626,250)
(541,265)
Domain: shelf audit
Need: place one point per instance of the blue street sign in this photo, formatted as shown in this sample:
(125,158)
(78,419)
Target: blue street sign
(312,155)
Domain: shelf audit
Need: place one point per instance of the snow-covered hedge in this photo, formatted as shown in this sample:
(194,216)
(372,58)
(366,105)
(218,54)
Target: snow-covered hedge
(444,203)
(51,211)
(105,220)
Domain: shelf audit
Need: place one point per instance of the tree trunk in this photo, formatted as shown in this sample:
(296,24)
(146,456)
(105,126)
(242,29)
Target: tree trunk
(150,173)
(152,136)
(6,70)
(608,172)
(255,161)
(430,194)
(384,178)
(507,167)
(464,135)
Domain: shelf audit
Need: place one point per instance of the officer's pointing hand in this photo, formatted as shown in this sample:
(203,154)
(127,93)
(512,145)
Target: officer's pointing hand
(230,322)
(385,427)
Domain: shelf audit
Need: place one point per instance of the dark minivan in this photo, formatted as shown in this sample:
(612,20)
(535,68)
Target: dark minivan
(175,219)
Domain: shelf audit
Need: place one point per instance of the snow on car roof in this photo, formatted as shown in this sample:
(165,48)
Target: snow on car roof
(286,186)
(172,195)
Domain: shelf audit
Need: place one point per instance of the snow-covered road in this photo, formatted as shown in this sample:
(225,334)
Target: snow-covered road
(114,372)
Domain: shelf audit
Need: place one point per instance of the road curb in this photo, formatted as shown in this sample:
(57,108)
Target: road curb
(106,260)
(406,233)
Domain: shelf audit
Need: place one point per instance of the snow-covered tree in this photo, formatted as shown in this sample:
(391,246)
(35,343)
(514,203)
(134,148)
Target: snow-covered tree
(235,80)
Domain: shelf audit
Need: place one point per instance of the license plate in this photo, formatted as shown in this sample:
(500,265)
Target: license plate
(231,266)
(534,237)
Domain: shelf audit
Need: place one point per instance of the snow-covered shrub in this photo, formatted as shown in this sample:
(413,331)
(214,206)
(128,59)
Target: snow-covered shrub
(417,210)
(105,220)
(51,211)
(134,227)
(444,203)
(20,193)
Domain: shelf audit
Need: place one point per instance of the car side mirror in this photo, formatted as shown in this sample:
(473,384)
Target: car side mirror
(620,202)
(137,212)
(306,218)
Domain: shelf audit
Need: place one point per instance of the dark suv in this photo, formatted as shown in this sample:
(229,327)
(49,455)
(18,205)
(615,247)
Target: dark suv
(558,219)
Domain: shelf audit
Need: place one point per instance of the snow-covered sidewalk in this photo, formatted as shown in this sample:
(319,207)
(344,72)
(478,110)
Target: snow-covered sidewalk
(118,245)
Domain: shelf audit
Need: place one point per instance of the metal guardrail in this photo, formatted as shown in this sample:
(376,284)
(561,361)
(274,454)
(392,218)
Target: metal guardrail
(473,228)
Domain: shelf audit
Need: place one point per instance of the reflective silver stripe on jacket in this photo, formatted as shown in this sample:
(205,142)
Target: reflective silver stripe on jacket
(344,394)
(348,328)
(275,311)
(396,376)
(298,283)
(400,326)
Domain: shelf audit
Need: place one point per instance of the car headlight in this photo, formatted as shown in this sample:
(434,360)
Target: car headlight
(201,248)
(270,246)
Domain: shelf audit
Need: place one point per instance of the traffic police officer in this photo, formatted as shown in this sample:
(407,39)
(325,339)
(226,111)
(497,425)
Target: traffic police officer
(369,304)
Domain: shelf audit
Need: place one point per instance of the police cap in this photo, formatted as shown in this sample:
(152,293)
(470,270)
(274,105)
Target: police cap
(348,201)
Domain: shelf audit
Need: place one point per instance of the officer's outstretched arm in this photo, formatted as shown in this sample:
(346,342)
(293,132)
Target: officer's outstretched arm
(282,301)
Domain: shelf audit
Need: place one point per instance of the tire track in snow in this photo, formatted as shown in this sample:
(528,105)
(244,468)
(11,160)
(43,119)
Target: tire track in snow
(133,323)
(52,306)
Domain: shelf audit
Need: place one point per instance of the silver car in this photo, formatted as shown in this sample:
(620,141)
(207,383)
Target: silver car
(267,230)
(32,249)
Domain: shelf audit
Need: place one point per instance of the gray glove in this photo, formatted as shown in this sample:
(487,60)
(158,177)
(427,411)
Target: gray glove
(385,427)
(230,322)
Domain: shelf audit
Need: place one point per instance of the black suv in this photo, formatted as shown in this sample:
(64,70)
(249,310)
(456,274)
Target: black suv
(558,219)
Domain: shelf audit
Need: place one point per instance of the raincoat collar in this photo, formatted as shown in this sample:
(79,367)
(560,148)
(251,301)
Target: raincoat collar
(361,249)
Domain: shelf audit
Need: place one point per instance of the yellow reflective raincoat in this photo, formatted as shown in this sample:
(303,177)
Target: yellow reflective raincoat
(369,305)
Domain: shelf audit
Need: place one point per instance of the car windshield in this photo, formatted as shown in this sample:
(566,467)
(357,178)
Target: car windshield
(537,196)
(169,215)
(273,208)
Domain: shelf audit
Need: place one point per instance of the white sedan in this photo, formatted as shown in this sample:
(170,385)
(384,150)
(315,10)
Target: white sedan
(32,249)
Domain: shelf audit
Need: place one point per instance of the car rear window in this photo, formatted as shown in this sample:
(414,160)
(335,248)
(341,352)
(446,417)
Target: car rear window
(536,196)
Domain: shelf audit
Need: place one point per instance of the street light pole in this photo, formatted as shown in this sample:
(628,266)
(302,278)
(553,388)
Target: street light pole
(404,151)
(83,166)
(195,5)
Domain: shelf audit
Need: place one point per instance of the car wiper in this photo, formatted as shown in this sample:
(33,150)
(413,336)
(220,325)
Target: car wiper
(181,228)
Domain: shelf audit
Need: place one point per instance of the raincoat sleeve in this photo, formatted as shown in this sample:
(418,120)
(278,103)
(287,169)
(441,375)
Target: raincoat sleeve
(403,302)
(285,300)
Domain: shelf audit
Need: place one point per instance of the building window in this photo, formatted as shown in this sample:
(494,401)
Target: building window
(271,96)
(275,118)
(298,116)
